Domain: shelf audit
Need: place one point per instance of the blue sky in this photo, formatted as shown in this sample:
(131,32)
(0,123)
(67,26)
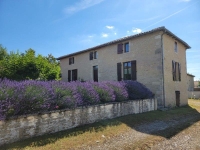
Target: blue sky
(61,27)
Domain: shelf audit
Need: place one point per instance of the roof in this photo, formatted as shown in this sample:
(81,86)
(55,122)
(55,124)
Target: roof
(190,75)
(127,38)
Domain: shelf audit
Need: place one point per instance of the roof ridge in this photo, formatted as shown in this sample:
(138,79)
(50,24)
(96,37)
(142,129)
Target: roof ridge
(126,38)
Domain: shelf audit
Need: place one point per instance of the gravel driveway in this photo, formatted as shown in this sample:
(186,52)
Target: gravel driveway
(185,135)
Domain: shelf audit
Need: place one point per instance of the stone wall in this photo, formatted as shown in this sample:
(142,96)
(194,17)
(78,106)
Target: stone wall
(23,127)
(171,86)
(194,94)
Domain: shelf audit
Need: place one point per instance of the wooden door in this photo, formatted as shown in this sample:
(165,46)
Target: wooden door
(177,98)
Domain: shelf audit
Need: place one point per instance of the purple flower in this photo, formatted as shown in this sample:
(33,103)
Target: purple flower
(29,96)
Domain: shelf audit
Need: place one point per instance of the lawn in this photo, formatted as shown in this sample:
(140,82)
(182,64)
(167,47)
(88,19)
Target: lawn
(96,132)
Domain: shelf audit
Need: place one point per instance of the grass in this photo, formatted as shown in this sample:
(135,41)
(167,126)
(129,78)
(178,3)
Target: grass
(104,130)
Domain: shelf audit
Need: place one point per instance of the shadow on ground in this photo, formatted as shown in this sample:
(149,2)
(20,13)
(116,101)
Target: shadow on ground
(162,123)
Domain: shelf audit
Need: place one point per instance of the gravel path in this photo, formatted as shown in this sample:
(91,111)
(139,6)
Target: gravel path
(189,139)
(135,138)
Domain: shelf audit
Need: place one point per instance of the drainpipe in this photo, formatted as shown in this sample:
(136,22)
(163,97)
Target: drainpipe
(163,66)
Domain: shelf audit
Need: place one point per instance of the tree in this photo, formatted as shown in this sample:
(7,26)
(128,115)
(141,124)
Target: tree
(3,52)
(22,66)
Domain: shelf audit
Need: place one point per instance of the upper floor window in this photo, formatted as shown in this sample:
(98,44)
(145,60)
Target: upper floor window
(176,71)
(175,47)
(122,48)
(126,47)
(71,60)
(93,55)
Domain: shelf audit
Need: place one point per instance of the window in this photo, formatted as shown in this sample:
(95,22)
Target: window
(122,47)
(95,73)
(176,71)
(91,55)
(95,55)
(126,47)
(72,75)
(175,47)
(71,60)
(129,70)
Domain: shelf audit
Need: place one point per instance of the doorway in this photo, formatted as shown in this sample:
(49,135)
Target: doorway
(177,98)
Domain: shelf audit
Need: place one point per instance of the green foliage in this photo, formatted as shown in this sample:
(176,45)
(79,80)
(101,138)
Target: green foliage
(22,66)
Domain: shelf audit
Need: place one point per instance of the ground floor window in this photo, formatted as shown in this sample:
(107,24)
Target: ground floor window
(72,75)
(127,70)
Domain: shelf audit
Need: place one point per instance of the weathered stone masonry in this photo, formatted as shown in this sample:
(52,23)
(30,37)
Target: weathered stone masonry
(24,127)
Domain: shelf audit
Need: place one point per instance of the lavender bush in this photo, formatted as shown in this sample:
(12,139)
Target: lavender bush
(26,97)
(137,90)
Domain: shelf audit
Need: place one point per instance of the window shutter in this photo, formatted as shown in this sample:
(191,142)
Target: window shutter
(119,48)
(174,70)
(119,72)
(69,75)
(91,55)
(179,70)
(75,74)
(133,70)
(69,61)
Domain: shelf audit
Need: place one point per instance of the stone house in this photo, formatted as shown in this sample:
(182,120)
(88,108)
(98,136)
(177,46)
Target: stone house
(190,82)
(196,84)
(156,58)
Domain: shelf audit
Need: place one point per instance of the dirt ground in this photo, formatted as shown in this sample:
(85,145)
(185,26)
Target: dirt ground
(174,134)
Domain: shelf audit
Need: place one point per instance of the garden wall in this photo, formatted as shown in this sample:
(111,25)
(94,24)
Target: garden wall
(194,94)
(22,127)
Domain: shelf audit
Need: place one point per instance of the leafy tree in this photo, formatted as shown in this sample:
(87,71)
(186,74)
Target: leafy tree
(22,66)
(3,52)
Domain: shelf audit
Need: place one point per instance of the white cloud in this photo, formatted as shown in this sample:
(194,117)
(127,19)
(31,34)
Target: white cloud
(81,5)
(136,30)
(110,27)
(104,35)
(115,33)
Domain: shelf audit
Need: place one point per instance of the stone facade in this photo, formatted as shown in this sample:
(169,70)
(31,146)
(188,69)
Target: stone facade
(170,85)
(190,82)
(23,127)
(153,52)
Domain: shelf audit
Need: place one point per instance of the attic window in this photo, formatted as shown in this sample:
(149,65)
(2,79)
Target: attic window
(126,47)
(175,47)
(71,60)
